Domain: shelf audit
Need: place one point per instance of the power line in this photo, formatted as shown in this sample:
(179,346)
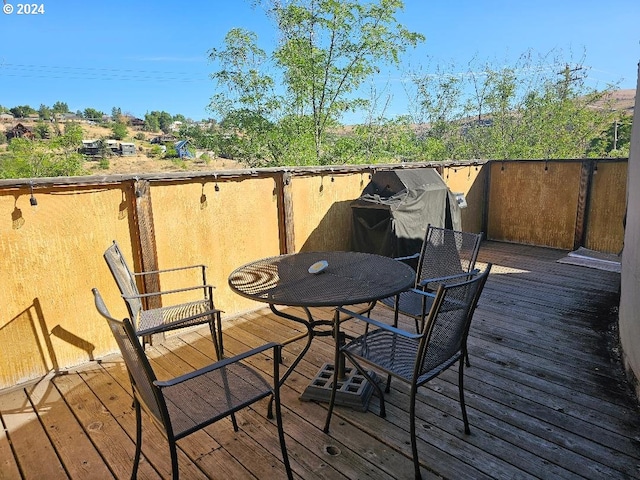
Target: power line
(94,73)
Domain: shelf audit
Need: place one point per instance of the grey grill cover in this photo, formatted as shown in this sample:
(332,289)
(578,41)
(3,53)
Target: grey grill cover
(391,216)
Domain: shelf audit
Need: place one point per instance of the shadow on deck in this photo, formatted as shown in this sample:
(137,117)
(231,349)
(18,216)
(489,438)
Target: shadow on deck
(546,397)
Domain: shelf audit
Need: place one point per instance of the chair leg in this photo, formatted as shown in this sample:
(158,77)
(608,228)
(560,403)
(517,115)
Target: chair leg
(234,422)
(387,388)
(383,410)
(215,327)
(461,390)
(270,408)
(136,458)
(412,432)
(276,398)
(174,459)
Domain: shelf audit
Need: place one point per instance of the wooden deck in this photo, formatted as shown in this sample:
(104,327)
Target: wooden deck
(546,399)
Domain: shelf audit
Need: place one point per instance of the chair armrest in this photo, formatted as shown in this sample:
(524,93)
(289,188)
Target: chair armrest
(167,292)
(175,269)
(381,325)
(408,257)
(219,365)
(201,267)
(427,281)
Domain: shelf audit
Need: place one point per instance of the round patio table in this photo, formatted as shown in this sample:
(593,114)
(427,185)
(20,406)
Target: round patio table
(349,278)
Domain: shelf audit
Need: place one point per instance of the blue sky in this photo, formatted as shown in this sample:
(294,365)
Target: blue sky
(141,55)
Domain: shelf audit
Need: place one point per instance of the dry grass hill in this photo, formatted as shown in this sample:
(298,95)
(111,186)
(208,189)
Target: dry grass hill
(143,162)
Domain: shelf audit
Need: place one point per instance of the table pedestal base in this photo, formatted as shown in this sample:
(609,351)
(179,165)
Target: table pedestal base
(353,391)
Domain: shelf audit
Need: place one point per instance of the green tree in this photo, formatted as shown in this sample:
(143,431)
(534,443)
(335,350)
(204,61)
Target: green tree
(44,112)
(73,134)
(42,130)
(201,138)
(22,111)
(164,120)
(245,101)
(438,104)
(116,113)
(244,86)
(26,158)
(526,110)
(60,107)
(615,140)
(119,130)
(158,120)
(93,115)
(151,122)
(329,48)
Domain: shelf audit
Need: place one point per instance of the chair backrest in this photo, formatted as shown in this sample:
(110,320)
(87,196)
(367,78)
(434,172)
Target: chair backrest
(124,278)
(140,371)
(448,321)
(447,252)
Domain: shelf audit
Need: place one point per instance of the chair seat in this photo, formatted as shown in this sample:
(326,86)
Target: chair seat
(169,318)
(396,354)
(207,398)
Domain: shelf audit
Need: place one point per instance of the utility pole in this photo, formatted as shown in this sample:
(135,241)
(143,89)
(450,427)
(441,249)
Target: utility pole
(569,76)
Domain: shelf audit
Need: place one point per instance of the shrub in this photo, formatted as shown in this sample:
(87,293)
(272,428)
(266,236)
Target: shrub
(119,131)
(155,151)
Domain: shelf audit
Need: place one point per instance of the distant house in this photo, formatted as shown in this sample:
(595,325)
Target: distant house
(127,149)
(20,131)
(67,117)
(181,149)
(175,126)
(102,147)
(163,139)
(112,146)
(6,117)
(91,147)
(136,122)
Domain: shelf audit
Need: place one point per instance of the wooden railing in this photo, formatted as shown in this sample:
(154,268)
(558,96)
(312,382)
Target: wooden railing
(51,253)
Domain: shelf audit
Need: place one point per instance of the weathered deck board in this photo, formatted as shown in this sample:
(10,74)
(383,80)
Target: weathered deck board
(35,454)
(76,452)
(546,399)
(8,465)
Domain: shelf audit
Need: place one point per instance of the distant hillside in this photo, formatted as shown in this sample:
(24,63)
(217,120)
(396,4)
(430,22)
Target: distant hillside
(621,100)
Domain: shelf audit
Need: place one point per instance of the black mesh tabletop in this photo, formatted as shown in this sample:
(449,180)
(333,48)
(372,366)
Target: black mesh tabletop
(350,278)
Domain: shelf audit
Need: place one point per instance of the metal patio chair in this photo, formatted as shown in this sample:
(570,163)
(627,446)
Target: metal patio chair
(417,358)
(150,321)
(446,256)
(188,403)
